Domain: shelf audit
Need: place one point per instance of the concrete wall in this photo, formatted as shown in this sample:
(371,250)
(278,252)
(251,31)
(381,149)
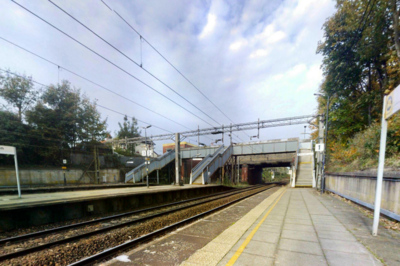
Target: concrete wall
(363,189)
(53,177)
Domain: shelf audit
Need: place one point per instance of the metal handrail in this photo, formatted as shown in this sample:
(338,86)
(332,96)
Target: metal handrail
(199,168)
(214,164)
(154,165)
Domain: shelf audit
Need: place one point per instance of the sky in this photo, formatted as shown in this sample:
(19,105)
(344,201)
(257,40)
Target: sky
(253,59)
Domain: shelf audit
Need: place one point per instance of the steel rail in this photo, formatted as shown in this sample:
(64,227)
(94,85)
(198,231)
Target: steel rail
(115,250)
(108,228)
(103,219)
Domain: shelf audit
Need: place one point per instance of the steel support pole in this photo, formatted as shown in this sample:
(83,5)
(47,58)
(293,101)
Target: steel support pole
(320,141)
(177,159)
(17,172)
(147,162)
(231,134)
(238,170)
(381,165)
(326,148)
(223,135)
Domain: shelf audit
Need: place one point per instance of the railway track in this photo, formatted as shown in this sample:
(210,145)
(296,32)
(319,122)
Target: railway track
(148,214)
(104,219)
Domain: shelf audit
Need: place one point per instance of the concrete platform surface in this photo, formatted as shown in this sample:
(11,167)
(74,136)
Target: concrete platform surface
(31,200)
(301,227)
(60,188)
(179,245)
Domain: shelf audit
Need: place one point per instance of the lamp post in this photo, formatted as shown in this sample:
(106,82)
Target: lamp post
(326,135)
(147,162)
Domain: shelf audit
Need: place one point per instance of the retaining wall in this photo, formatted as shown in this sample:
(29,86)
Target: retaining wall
(361,188)
(54,177)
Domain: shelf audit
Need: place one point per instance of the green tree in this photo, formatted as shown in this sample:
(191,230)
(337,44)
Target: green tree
(18,91)
(63,117)
(128,129)
(14,133)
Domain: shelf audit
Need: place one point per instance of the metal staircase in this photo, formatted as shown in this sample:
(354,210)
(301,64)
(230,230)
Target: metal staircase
(209,165)
(137,174)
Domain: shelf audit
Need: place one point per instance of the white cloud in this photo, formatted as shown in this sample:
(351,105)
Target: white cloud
(209,28)
(251,58)
(296,70)
(238,44)
(259,53)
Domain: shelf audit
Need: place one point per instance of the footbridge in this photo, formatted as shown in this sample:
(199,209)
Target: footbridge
(216,160)
(215,157)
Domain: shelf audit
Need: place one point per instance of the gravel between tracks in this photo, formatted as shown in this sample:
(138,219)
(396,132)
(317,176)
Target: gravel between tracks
(74,251)
(33,242)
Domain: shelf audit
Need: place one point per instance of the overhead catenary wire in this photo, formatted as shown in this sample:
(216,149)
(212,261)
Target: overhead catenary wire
(133,61)
(110,62)
(98,55)
(88,80)
(40,83)
(159,53)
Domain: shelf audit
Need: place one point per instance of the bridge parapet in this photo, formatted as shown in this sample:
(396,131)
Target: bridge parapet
(265,147)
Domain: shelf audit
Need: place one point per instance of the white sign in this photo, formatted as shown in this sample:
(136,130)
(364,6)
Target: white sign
(392,103)
(319,147)
(197,159)
(149,153)
(64,161)
(7,150)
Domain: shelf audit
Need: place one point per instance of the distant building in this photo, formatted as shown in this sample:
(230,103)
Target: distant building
(140,148)
(171,146)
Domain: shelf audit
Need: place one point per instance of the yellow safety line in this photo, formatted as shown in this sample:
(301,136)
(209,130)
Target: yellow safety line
(248,239)
(304,162)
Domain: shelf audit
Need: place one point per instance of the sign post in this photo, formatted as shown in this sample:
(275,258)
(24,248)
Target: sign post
(391,105)
(64,168)
(9,150)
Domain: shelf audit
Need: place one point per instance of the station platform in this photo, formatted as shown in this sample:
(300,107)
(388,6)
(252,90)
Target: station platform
(59,188)
(9,202)
(281,226)
(59,207)
(301,227)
